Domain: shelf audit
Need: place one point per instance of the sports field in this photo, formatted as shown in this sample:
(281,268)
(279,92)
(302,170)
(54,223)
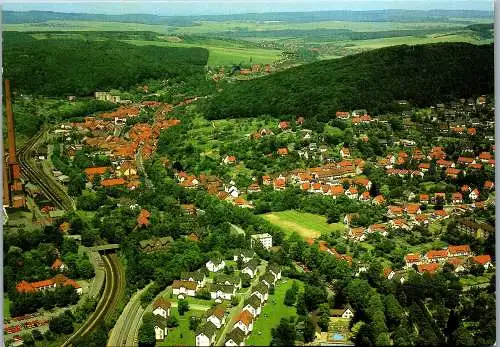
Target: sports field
(305,224)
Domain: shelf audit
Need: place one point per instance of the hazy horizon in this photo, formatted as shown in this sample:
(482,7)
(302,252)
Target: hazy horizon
(185,7)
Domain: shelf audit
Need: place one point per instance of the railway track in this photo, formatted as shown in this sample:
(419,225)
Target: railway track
(114,285)
(50,189)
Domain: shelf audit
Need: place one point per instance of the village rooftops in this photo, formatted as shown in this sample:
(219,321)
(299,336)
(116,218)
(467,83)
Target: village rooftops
(208,329)
(161,302)
(236,335)
(184,284)
(481,259)
(245,317)
(460,249)
(217,311)
(221,287)
(196,276)
(253,301)
(223,279)
(430,268)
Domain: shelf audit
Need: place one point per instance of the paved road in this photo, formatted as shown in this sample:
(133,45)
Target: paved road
(140,169)
(126,329)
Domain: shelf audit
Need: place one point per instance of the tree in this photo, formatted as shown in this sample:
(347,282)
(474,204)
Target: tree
(290,296)
(147,334)
(301,305)
(37,335)
(246,280)
(314,296)
(284,334)
(194,322)
(183,307)
(235,300)
(172,321)
(62,324)
(464,337)
(309,330)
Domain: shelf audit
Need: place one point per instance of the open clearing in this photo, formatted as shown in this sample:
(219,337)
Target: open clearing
(306,225)
(272,312)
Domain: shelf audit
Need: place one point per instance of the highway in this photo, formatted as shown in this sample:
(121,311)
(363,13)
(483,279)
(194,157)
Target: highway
(49,188)
(113,290)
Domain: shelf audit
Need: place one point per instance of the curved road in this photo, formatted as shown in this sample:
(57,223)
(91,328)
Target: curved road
(115,281)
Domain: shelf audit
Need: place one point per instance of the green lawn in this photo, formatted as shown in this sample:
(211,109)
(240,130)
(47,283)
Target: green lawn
(6,308)
(275,309)
(305,224)
(222,53)
(471,280)
(181,335)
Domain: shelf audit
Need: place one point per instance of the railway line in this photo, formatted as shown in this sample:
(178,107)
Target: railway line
(50,189)
(113,290)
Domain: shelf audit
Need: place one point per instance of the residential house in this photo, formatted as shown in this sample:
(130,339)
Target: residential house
(282,151)
(58,280)
(377,228)
(236,337)
(474,195)
(430,268)
(279,183)
(227,280)
(484,260)
(345,312)
(412,259)
(389,273)
(58,265)
(217,315)
(336,191)
(357,234)
(196,276)
(284,125)
(229,159)
(182,288)
(365,196)
(268,279)
(275,270)
(251,267)
(488,185)
(245,254)
(460,250)
(244,321)
(205,336)
(215,265)
(399,223)
(456,198)
(253,305)
(345,153)
(457,263)
(435,256)
(352,192)
(143,218)
(413,209)
(160,327)
(221,291)
(261,291)
(424,198)
(265,239)
(378,200)
(394,211)
(161,307)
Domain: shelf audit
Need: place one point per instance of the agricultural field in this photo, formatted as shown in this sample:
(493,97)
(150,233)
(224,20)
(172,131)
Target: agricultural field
(271,314)
(305,224)
(6,308)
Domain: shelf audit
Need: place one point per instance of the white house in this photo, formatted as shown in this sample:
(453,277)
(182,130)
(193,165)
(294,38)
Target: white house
(217,316)
(345,312)
(221,291)
(197,276)
(245,254)
(275,270)
(205,335)
(161,307)
(228,280)
(235,338)
(160,326)
(474,195)
(261,291)
(253,305)
(250,268)
(215,265)
(265,239)
(184,288)
(244,321)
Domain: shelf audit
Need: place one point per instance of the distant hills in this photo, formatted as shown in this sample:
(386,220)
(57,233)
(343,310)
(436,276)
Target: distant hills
(423,75)
(16,17)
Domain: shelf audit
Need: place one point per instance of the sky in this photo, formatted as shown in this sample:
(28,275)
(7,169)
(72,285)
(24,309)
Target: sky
(200,7)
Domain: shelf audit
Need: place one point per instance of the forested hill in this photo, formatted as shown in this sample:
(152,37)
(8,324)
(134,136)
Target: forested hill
(79,67)
(423,75)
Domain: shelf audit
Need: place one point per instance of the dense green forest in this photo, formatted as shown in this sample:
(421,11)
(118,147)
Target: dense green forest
(59,67)
(423,75)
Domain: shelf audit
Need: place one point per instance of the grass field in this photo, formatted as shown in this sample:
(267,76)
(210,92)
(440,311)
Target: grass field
(57,25)
(305,224)
(181,335)
(271,315)
(223,54)
(471,280)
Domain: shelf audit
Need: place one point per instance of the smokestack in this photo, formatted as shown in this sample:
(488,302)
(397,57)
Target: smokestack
(10,125)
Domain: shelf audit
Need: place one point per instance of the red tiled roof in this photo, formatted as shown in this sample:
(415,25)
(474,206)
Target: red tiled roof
(481,259)
(56,264)
(143,218)
(412,258)
(458,249)
(337,190)
(424,197)
(439,253)
(186,284)
(110,182)
(412,208)
(431,268)
(245,317)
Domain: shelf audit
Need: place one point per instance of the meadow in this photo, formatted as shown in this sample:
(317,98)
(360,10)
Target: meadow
(272,312)
(181,335)
(307,225)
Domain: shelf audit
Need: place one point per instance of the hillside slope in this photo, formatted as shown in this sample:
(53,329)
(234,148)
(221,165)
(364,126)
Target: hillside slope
(423,75)
(65,66)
